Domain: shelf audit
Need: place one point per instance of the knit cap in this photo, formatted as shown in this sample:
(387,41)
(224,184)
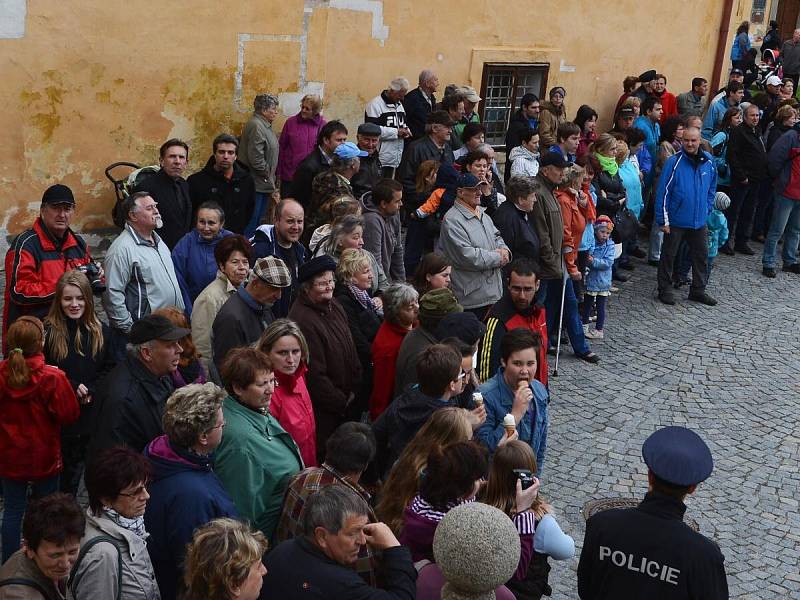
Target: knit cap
(721,201)
(603,222)
(439,303)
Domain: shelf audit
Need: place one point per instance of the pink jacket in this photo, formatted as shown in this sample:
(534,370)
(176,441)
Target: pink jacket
(298,138)
(291,406)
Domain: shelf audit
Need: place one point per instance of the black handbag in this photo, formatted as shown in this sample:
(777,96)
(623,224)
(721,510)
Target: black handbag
(626,226)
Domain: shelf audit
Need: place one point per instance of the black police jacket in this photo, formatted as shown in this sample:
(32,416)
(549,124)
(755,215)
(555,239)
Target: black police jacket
(649,552)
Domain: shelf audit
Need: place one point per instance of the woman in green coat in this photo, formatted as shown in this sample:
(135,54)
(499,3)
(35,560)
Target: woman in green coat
(256,458)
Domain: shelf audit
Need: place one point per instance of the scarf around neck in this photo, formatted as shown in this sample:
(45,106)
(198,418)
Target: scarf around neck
(362,296)
(607,163)
(135,525)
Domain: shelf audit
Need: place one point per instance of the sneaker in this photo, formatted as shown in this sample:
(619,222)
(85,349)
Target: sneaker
(666,297)
(613,289)
(793,268)
(589,357)
(585,329)
(769,272)
(727,249)
(594,334)
(620,276)
(744,249)
(703,298)
(638,253)
(593,318)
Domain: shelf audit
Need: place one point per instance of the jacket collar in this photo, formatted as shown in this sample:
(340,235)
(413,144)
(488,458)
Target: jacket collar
(289,382)
(263,118)
(662,506)
(154,385)
(139,240)
(249,300)
(49,241)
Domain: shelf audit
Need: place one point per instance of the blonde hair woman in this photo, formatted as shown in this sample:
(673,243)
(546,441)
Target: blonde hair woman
(77,342)
(223,562)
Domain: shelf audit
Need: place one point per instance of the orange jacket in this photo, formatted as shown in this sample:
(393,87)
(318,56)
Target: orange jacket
(575,220)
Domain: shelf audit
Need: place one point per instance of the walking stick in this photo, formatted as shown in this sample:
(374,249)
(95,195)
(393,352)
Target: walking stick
(561,314)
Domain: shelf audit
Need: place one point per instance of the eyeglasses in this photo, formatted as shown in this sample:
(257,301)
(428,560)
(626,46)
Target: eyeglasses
(137,492)
(220,426)
(325,284)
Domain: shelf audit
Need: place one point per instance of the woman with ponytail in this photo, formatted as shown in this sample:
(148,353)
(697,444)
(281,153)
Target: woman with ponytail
(36,400)
(77,342)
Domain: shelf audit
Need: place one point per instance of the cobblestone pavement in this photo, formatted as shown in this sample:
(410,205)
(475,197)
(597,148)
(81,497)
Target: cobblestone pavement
(728,372)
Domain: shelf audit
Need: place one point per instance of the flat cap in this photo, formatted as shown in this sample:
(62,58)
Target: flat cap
(678,456)
(439,303)
(647,76)
(371,129)
(272,271)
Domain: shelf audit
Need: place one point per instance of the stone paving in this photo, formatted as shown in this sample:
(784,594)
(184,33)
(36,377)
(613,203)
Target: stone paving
(728,372)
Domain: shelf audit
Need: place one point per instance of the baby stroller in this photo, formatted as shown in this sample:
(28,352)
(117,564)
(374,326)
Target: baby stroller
(124,186)
(770,65)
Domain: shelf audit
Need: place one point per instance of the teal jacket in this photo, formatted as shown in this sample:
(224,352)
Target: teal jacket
(255,462)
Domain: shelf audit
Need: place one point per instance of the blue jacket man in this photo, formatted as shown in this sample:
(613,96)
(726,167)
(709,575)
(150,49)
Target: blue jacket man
(498,399)
(684,199)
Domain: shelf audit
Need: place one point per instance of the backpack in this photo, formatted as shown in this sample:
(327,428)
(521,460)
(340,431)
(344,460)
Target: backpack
(73,581)
(134,179)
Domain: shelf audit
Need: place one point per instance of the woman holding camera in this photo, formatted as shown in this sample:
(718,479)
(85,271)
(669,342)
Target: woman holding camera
(514,489)
(78,343)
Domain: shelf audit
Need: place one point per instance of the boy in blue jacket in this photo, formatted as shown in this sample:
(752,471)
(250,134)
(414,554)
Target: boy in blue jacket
(598,279)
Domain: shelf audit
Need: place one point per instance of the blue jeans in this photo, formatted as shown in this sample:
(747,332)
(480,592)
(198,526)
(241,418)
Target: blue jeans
(786,223)
(262,203)
(656,239)
(572,317)
(15,499)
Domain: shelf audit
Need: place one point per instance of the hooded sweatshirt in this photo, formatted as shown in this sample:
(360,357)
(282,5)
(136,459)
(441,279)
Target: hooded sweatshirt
(400,422)
(184,494)
(523,162)
(382,239)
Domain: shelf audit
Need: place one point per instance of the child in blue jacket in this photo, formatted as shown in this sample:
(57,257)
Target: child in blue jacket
(598,280)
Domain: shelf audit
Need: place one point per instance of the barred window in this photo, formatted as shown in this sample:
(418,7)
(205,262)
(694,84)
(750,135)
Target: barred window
(503,85)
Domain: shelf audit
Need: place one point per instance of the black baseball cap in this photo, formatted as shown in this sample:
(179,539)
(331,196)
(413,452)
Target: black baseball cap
(155,327)
(555,159)
(58,194)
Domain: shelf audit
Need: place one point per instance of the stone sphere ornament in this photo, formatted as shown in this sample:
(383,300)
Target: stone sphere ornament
(476,546)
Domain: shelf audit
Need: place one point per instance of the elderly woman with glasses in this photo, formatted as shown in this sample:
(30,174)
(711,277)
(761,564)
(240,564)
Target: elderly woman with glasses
(256,458)
(334,369)
(114,562)
(185,492)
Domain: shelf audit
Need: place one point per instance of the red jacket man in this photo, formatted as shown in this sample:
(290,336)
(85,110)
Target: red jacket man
(40,255)
(515,309)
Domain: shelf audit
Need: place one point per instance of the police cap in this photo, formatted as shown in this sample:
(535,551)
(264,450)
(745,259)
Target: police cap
(678,456)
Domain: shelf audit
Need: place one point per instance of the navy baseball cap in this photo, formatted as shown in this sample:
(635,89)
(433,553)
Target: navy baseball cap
(555,159)
(468,180)
(678,456)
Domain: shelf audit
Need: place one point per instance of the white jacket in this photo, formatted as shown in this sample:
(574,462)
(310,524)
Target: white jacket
(390,117)
(523,162)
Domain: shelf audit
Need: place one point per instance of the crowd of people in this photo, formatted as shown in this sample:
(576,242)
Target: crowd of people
(337,343)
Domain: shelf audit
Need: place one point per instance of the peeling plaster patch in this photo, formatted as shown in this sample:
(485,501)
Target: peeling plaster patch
(182,127)
(10,212)
(12,18)
(380,31)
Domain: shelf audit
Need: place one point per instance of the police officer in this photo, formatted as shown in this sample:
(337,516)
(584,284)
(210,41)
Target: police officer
(648,551)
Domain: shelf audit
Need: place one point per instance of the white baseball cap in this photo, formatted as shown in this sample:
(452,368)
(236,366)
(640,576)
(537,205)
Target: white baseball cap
(774,80)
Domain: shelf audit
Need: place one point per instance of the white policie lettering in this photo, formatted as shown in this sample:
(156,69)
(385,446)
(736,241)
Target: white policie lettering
(644,565)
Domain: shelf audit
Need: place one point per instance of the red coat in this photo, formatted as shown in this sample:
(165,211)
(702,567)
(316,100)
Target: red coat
(575,219)
(385,349)
(34,262)
(31,420)
(669,104)
(291,406)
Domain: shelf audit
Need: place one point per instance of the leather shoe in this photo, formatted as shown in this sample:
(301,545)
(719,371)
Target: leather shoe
(638,253)
(666,298)
(768,272)
(726,249)
(703,298)
(744,249)
(652,263)
(793,268)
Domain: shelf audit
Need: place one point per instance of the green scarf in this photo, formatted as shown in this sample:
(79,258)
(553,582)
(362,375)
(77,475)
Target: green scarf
(609,165)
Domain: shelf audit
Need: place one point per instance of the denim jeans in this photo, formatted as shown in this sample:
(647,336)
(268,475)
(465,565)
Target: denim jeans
(15,499)
(656,239)
(262,202)
(572,317)
(786,223)
(590,303)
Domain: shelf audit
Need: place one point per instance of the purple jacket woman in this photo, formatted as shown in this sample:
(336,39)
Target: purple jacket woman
(297,140)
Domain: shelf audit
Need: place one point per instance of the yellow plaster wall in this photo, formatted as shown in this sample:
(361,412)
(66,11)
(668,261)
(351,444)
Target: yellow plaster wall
(98,81)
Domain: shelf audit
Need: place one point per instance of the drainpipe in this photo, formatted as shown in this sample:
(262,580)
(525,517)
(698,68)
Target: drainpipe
(722,41)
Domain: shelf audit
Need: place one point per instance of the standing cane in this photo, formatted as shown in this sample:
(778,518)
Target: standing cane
(561,314)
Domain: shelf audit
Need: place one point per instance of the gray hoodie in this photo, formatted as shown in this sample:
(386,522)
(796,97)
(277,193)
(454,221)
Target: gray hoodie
(382,239)
(140,278)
